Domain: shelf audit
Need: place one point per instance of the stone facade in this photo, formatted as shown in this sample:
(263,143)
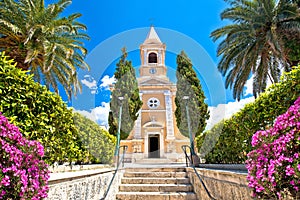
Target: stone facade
(155,134)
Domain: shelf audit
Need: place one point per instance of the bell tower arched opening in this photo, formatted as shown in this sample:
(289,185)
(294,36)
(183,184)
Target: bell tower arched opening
(152,58)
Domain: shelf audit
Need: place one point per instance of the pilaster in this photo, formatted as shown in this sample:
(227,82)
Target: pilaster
(138,124)
(169,115)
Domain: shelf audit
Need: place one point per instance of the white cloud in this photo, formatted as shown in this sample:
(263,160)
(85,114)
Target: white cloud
(249,86)
(87,114)
(233,107)
(98,114)
(101,113)
(216,115)
(90,82)
(225,111)
(107,82)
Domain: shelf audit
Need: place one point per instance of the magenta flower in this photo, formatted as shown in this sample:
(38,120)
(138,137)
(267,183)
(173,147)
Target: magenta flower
(5,181)
(275,159)
(259,188)
(23,174)
(289,171)
(292,182)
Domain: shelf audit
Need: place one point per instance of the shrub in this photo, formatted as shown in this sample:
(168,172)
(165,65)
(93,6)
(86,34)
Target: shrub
(207,143)
(274,164)
(235,138)
(23,175)
(99,143)
(40,114)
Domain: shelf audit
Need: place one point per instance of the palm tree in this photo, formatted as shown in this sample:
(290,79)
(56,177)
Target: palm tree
(43,42)
(255,44)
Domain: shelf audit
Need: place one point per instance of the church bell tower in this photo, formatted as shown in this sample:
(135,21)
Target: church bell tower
(152,53)
(155,134)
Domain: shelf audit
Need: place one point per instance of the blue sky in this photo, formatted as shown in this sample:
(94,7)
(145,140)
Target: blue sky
(182,25)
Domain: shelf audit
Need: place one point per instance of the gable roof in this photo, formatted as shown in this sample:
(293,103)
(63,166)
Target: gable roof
(152,37)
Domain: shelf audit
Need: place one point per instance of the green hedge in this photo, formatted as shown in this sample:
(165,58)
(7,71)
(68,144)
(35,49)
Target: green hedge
(97,141)
(234,140)
(40,114)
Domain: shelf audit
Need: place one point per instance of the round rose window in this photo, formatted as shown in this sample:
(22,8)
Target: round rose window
(153,103)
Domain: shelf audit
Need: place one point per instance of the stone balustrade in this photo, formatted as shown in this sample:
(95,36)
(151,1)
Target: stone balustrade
(221,184)
(224,182)
(83,185)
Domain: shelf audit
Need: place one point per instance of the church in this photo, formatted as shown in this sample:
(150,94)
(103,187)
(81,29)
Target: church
(155,134)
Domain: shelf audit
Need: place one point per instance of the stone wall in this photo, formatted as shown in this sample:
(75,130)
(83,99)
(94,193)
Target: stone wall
(83,185)
(221,184)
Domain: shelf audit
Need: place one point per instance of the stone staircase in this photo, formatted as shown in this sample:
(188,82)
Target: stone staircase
(152,161)
(155,184)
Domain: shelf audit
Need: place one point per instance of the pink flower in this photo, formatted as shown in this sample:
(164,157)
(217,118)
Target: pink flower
(5,181)
(23,174)
(259,188)
(271,168)
(255,139)
(289,171)
(3,192)
(278,195)
(275,156)
(292,182)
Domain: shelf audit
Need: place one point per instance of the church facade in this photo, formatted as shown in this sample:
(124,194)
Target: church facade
(155,134)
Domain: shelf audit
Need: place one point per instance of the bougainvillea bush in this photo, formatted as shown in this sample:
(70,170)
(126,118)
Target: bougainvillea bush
(274,164)
(23,175)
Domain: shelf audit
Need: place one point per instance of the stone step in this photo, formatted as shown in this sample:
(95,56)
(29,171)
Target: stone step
(161,169)
(153,161)
(155,180)
(155,188)
(165,183)
(156,196)
(156,174)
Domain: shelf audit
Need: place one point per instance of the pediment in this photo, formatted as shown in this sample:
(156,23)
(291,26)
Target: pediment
(154,81)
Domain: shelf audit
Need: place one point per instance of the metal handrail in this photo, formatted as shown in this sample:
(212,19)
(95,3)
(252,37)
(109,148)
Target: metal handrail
(116,170)
(184,147)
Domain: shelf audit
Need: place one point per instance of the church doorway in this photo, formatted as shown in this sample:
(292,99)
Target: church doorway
(154,150)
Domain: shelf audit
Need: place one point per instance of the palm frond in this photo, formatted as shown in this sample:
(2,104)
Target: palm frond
(255,42)
(44,42)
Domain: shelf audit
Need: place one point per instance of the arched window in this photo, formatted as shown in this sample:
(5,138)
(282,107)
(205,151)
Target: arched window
(152,58)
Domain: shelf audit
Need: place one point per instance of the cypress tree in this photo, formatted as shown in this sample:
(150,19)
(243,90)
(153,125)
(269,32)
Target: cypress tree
(188,85)
(126,86)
